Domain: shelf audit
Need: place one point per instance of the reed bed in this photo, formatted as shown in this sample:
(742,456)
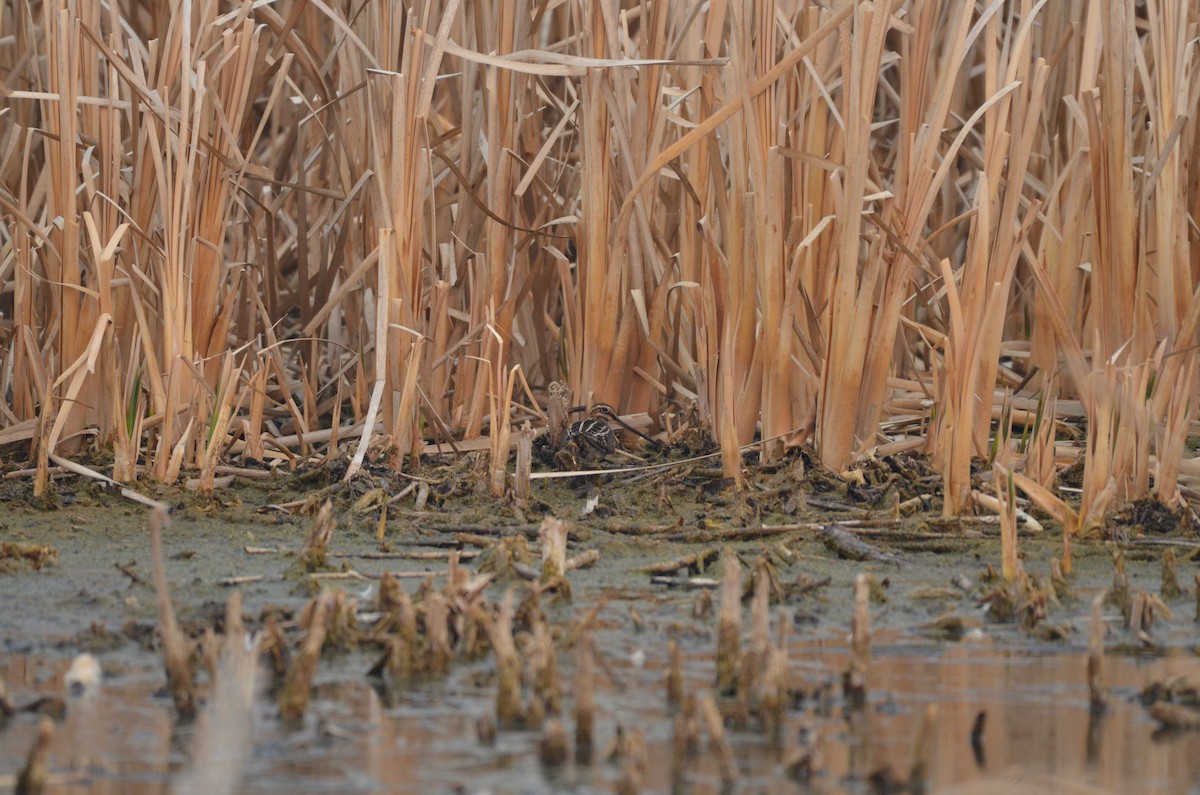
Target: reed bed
(289,230)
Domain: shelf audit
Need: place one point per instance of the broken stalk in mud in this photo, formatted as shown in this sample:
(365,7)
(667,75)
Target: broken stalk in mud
(674,674)
(32,778)
(1095,657)
(718,741)
(922,746)
(552,535)
(635,762)
(1170,579)
(585,698)
(315,555)
(297,686)
(176,654)
(552,747)
(508,664)
(855,680)
(729,622)
(524,467)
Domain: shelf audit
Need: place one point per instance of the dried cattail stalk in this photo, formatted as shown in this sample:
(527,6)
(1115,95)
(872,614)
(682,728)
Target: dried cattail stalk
(552,747)
(773,699)
(729,623)
(437,633)
(485,730)
(686,739)
(860,643)
(32,778)
(315,555)
(1170,580)
(1007,496)
(717,739)
(634,765)
(760,609)
(389,596)
(176,652)
(542,666)
(674,674)
(341,627)
(275,648)
(1118,595)
(552,535)
(223,737)
(297,686)
(585,697)
(508,664)
(556,412)
(524,461)
(922,746)
(1095,657)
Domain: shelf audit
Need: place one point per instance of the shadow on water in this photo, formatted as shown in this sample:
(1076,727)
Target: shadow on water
(1038,734)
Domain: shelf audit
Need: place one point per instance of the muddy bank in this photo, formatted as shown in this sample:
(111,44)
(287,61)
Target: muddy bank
(652,547)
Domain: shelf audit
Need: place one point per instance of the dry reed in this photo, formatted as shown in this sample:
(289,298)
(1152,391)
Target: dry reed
(270,230)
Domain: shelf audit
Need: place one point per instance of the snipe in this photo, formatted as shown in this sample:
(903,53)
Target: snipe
(593,436)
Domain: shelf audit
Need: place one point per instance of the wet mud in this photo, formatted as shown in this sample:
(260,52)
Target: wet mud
(944,635)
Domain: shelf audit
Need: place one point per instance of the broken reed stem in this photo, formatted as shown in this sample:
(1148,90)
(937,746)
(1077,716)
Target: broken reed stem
(437,632)
(1169,589)
(176,654)
(542,667)
(860,643)
(633,769)
(552,536)
(508,664)
(922,747)
(521,487)
(585,697)
(223,738)
(1095,657)
(729,621)
(1007,496)
(297,686)
(315,555)
(553,749)
(718,741)
(674,674)
(556,412)
(34,775)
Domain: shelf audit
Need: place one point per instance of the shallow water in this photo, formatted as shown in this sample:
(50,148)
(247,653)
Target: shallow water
(1039,734)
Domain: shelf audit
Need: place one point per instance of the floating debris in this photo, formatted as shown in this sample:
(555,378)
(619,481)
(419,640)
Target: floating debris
(83,676)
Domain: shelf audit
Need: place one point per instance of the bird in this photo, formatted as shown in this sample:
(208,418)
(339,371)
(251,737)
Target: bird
(594,431)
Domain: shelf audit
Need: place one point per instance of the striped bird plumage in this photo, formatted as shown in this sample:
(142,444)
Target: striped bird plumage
(594,432)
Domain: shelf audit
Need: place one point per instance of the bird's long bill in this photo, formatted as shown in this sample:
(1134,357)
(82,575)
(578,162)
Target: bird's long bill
(619,421)
(653,442)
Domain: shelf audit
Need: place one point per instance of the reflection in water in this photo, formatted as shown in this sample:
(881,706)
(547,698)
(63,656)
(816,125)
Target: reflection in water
(1007,721)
